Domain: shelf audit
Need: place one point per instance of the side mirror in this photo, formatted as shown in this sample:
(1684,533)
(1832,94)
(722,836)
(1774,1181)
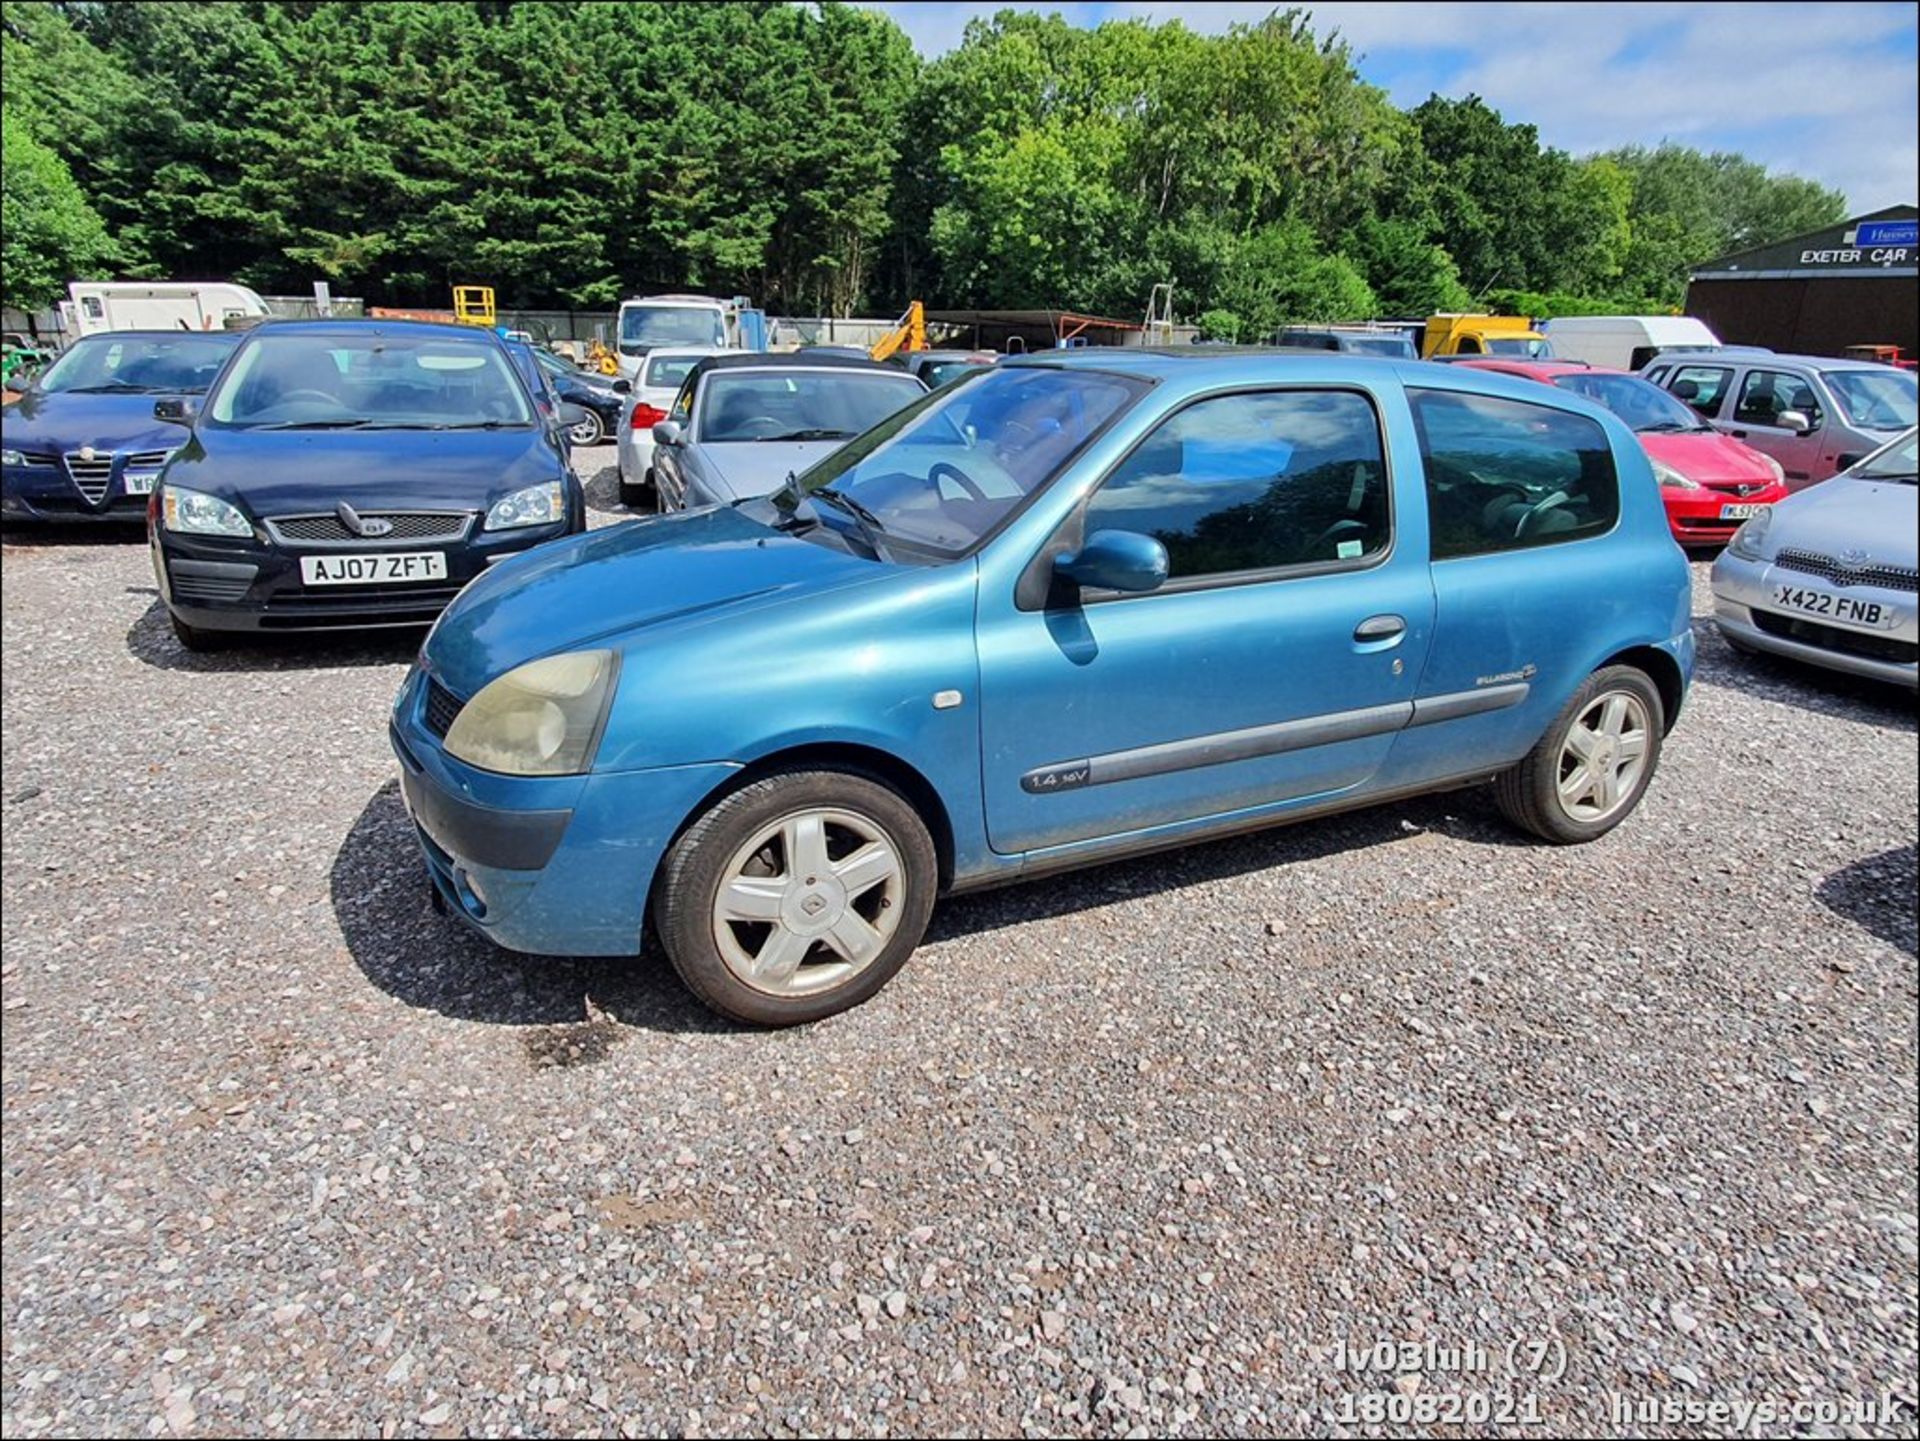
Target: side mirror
(176,410)
(621,387)
(1794,420)
(1116,560)
(571,415)
(667,432)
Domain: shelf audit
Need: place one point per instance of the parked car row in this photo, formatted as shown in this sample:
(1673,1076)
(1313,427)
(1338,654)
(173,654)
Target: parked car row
(1058,609)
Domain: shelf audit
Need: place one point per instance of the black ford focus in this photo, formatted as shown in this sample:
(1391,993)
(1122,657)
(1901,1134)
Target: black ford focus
(346,474)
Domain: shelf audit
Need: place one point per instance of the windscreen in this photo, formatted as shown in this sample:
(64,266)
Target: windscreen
(139,364)
(644,326)
(370,380)
(1514,345)
(1875,399)
(1898,461)
(940,475)
(666,372)
(799,404)
(1643,406)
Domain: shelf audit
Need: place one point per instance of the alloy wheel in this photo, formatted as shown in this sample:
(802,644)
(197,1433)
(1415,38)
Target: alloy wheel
(1604,756)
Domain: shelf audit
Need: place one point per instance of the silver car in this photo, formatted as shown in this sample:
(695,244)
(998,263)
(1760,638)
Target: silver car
(1828,576)
(657,378)
(1814,414)
(743,422)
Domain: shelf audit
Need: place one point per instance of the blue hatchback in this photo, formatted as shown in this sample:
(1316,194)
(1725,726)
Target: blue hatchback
(1072,608)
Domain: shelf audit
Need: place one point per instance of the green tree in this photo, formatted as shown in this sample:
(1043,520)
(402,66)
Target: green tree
(1408,274)
(49,234)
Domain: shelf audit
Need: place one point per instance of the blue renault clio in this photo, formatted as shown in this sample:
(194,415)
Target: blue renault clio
(1072,608)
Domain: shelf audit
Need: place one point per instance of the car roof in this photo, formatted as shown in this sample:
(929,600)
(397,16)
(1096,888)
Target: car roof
(1540,369)
(790,360)
(446,329)
(159,333)
(1755,356)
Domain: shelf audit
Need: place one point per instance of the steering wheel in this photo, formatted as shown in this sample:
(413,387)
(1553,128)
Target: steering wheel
(959,477)
(1552,502)
(757,422)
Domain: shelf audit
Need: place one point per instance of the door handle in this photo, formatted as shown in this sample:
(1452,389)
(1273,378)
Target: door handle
(1380,627)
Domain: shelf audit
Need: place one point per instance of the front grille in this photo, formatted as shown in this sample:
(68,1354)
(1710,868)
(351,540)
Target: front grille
(39,457)
(1707,522)
(1737,487)
(1832,637)
(148,459)
(407,525)
(442,706)
(90,477)
(1812,562)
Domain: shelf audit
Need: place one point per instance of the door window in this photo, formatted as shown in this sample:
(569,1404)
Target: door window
(1767,394)
(1510,475)
(1700,386)
(1255,482)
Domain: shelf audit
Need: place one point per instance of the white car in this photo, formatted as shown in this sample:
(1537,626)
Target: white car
(1828,575)
(655,383)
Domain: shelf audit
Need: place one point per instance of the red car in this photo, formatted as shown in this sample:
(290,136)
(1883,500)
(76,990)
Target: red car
(1710,481)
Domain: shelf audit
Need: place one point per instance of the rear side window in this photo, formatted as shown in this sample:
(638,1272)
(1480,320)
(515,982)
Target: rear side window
(1701,386)
(1765,395)
(1508,475)
(1255,482)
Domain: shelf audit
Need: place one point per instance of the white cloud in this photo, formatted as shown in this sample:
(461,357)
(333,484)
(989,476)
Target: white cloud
(1827,91)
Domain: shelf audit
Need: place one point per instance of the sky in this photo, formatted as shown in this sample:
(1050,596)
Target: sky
(1827,91)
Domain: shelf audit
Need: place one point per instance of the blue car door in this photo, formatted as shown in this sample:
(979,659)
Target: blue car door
(1275,664)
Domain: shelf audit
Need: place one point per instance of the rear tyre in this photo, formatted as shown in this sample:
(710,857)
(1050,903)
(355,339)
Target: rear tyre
(797,896)
(195,639)
(1594,763)
(590,431)
(639,495)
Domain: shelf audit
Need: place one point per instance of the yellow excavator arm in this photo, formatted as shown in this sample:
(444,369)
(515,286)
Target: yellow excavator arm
(910,334)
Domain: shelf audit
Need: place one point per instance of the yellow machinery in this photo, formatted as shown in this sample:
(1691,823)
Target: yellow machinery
(601,359)
(910,334)
(473,305)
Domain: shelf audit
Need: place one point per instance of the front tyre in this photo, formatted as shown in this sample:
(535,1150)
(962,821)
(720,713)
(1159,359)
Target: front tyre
(796,897)
(1594,763)
(193,638)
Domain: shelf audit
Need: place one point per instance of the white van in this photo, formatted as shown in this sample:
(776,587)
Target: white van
(158,305)
(1625,342)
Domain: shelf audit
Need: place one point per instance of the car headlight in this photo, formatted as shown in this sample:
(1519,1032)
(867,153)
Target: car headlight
(194,513)
(1671,479)
(1750,540)
(12,457)
(539,719)
(543,504)
(1779,470)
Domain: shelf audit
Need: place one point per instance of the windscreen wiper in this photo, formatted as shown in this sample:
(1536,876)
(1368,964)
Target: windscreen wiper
(871,528)
(120,387)
(345,423)
(810,435)
(464,425)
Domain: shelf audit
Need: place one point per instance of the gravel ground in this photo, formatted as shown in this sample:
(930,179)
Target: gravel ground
(1127,1152)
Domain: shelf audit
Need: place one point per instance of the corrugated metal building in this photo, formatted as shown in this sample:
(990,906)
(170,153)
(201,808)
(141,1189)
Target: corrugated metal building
(1816,294)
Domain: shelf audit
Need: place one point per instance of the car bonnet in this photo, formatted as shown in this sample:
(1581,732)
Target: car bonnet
(606,585)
